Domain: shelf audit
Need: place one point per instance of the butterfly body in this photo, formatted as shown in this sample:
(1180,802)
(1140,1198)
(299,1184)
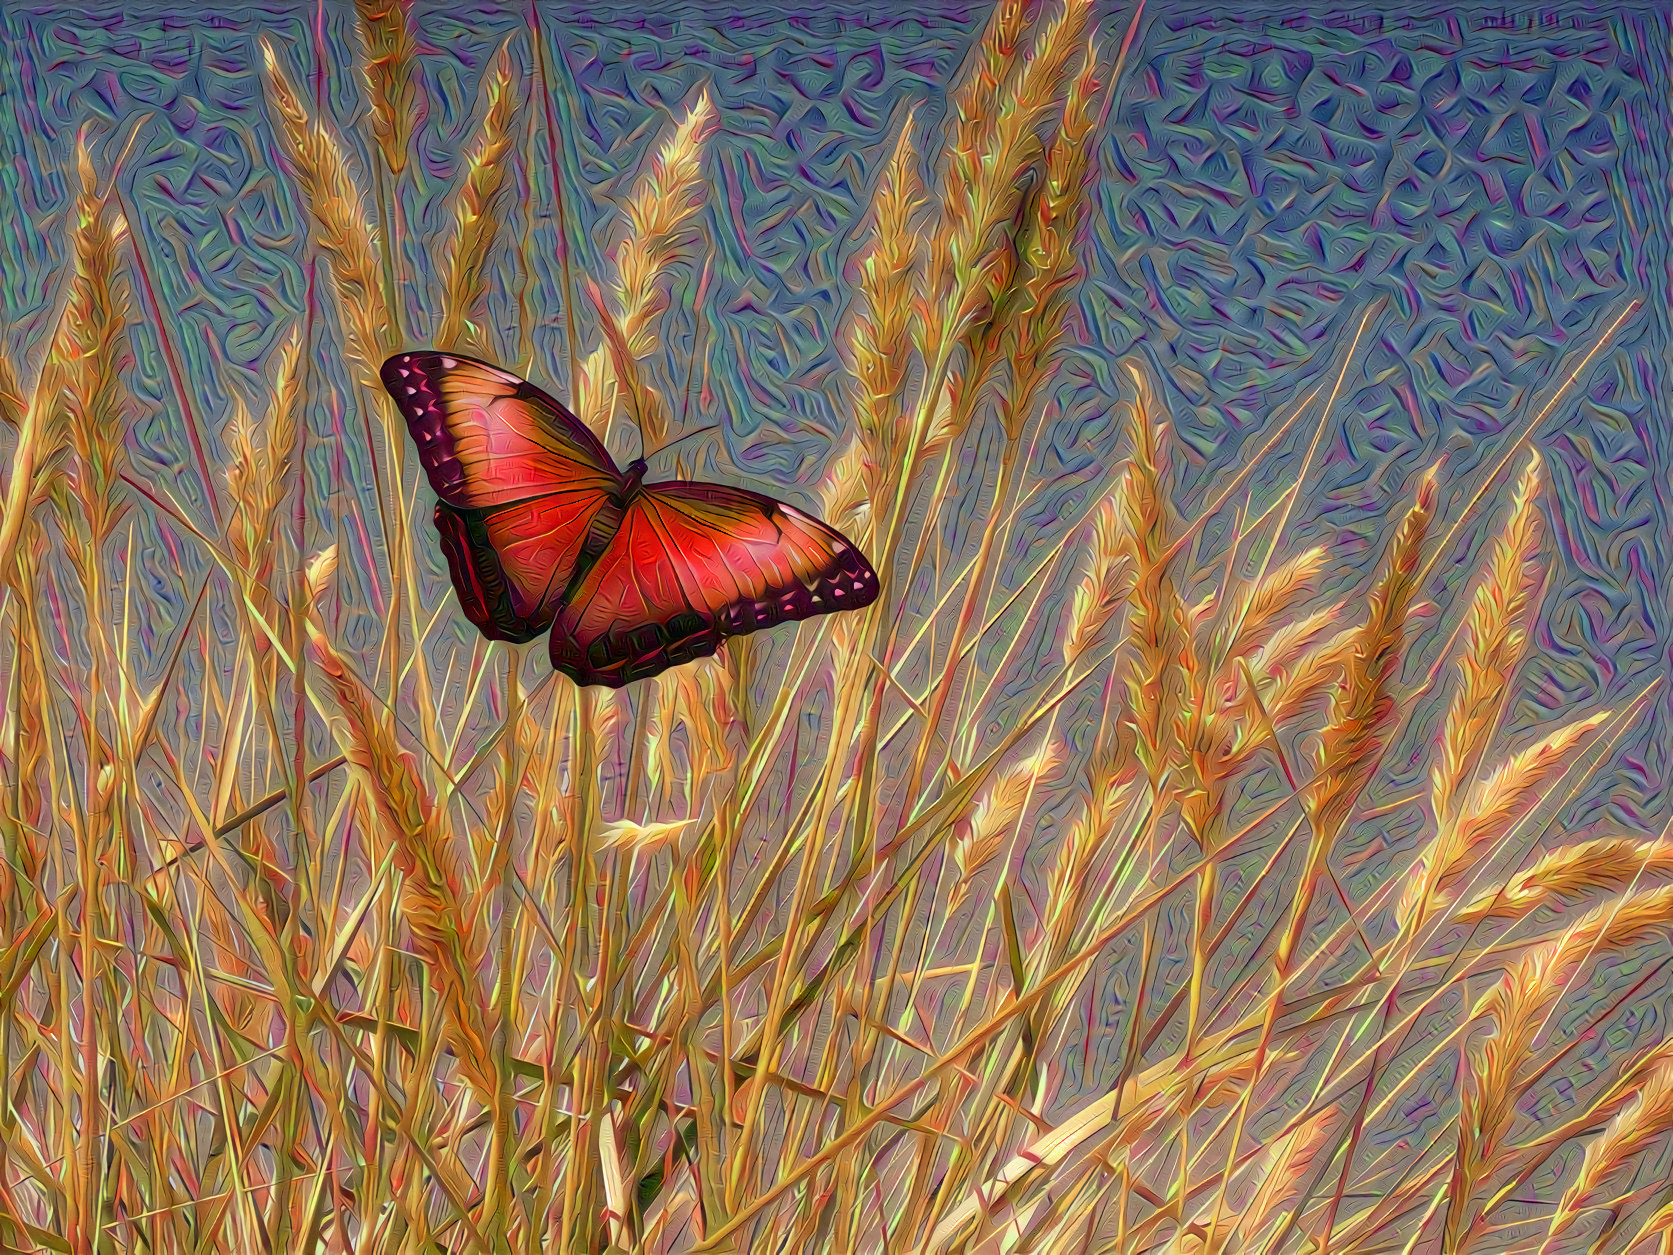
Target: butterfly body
(543,533)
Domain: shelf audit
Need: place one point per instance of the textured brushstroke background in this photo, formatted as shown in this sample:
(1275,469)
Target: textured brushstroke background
(1501,179)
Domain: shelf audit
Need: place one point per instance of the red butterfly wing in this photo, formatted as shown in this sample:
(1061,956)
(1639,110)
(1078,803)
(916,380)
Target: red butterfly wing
(523,486)
(692,564)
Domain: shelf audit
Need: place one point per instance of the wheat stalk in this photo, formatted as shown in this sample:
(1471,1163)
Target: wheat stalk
(1257,619)
(982,193)
(999,809)
(94,359)
(1050,257)
(1488,809)
(74,378)
(659,211)
(1106,584)
(261,463)
(1156,615)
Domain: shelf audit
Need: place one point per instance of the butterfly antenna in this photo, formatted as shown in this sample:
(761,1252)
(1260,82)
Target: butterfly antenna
(680,440)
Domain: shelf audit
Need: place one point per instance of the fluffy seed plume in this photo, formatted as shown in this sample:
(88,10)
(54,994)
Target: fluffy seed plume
(1362,707)
(261,463)
(1078,851)
(94,359)
(983,184)
(1515,1010)
(1495,636)
(659,212)
(1050,263)
(997,811)
(1309,674)
(1259,610)
(1284,1178)
(477,209)
(385,25)
(879,336)
(433,892)
(1104,586)
(845,495)
(661,206)
(1494,802)
(1606,863)
(1156,618)
(625,834)
(1647,1114)
(596,391)
(973,103)
(341,226)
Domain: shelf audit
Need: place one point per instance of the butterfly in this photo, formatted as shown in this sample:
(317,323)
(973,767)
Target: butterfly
(542,532)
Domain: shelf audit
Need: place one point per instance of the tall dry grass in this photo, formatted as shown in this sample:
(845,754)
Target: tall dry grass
(408,945)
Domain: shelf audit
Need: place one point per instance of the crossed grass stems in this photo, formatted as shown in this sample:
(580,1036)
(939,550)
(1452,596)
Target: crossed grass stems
(795,990)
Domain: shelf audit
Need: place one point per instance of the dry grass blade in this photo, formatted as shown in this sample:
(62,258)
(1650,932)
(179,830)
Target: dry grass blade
(13,407)
(477,210)
(341,226)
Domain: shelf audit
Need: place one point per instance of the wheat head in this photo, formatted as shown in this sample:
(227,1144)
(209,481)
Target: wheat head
(477,209)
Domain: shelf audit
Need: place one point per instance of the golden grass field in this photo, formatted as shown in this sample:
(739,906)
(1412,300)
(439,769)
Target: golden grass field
(784,990)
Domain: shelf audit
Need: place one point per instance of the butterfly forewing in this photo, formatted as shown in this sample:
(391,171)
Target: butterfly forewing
(522,482)
(486,437)
(692,564)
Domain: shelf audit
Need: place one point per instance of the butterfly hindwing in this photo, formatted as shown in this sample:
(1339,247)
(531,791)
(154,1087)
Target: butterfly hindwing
(692,564)
(511,564)
(526,490)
